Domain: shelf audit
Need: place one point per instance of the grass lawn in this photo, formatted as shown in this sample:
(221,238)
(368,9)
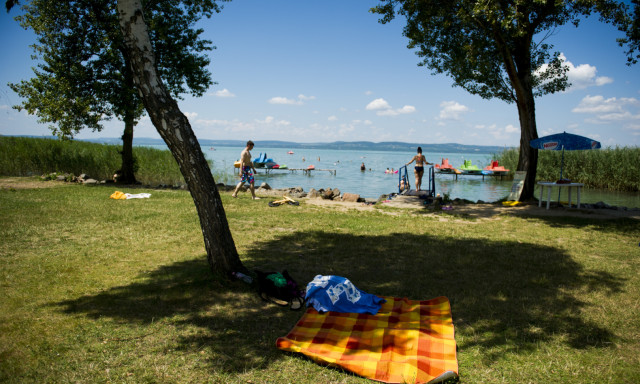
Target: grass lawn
(98,290)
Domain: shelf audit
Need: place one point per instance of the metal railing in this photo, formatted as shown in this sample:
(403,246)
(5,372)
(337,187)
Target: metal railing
(403,181)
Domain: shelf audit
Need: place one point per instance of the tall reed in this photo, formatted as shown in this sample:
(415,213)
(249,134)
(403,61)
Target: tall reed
(26,156)
(611,168)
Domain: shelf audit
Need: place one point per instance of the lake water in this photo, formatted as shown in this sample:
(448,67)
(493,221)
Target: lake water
(374,182)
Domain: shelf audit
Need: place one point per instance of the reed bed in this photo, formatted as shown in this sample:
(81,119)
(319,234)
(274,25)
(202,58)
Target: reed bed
(26,156)
(615,169)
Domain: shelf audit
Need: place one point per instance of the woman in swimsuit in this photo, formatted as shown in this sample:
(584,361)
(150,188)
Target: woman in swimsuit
(421,161)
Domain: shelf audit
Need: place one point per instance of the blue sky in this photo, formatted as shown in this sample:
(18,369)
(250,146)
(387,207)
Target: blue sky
(323,71)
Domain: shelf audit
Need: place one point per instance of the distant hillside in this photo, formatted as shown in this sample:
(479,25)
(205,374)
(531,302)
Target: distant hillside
(342,145)
(394,146)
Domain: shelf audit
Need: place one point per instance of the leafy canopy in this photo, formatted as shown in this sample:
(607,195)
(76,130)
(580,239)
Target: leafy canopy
(83,75)
(487,47)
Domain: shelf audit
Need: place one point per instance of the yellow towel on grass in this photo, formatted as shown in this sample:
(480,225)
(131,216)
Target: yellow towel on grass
(118,195)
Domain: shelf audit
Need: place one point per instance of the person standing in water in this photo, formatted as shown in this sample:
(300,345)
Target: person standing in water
(421,161)
(246,165)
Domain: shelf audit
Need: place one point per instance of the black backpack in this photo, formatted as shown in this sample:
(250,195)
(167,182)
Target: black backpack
(280,289)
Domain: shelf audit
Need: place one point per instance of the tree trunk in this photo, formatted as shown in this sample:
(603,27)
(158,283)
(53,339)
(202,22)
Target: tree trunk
(528,157)
(518,67)
(176,131)
(127,170)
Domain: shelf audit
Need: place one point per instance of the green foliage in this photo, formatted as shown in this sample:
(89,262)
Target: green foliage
(485,46)
(633,36)
(616,169)
(83,77)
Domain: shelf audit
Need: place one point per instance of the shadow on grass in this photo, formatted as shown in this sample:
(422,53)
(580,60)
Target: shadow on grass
(611,225)
(182,305)
(505,296)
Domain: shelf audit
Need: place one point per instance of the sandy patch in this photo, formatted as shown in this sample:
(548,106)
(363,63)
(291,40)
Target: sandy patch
(479,211)
(27,183)
(340,205)
(491,210)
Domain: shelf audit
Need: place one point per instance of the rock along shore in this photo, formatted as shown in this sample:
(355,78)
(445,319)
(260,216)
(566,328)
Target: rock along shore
(331,194)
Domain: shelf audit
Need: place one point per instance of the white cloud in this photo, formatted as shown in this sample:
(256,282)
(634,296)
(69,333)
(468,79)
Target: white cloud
(210,123)
(511,128)
(346,129)
(598,104)
(191,115)
(362,122)
(494,130)
(584,75)
(332,118)
(581,76)
(602,80)
(236,126)
(400,111)
(611,110)
(224,93)
(384,109)
(286,101)
(377,104)
(232,126)
(271,121)
(452,110)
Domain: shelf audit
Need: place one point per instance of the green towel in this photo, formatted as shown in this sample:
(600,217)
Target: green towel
(278,279)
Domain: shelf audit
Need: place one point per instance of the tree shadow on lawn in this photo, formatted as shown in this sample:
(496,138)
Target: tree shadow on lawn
(505,296)
(617,225)
(184,306)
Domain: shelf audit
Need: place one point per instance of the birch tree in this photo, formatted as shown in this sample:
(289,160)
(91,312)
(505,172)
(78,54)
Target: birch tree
(174,128)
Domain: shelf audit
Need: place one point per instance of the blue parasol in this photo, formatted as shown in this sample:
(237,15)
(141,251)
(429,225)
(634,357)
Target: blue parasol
(562,141)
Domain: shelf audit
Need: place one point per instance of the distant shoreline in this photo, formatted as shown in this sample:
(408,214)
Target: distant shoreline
(391,146)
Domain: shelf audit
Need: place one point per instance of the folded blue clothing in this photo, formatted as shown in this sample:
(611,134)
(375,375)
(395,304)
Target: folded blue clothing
(338,294)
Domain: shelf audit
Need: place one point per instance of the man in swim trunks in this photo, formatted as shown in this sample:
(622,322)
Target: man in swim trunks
(246,165)
(421,161)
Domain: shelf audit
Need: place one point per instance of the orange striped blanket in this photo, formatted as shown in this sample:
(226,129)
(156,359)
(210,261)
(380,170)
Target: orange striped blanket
(406,342)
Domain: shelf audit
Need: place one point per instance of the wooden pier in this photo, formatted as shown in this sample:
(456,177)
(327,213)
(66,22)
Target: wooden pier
(306,171)
(472,174)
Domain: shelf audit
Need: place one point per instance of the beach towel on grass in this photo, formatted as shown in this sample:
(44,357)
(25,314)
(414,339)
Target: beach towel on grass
(407,341)
(117,195)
